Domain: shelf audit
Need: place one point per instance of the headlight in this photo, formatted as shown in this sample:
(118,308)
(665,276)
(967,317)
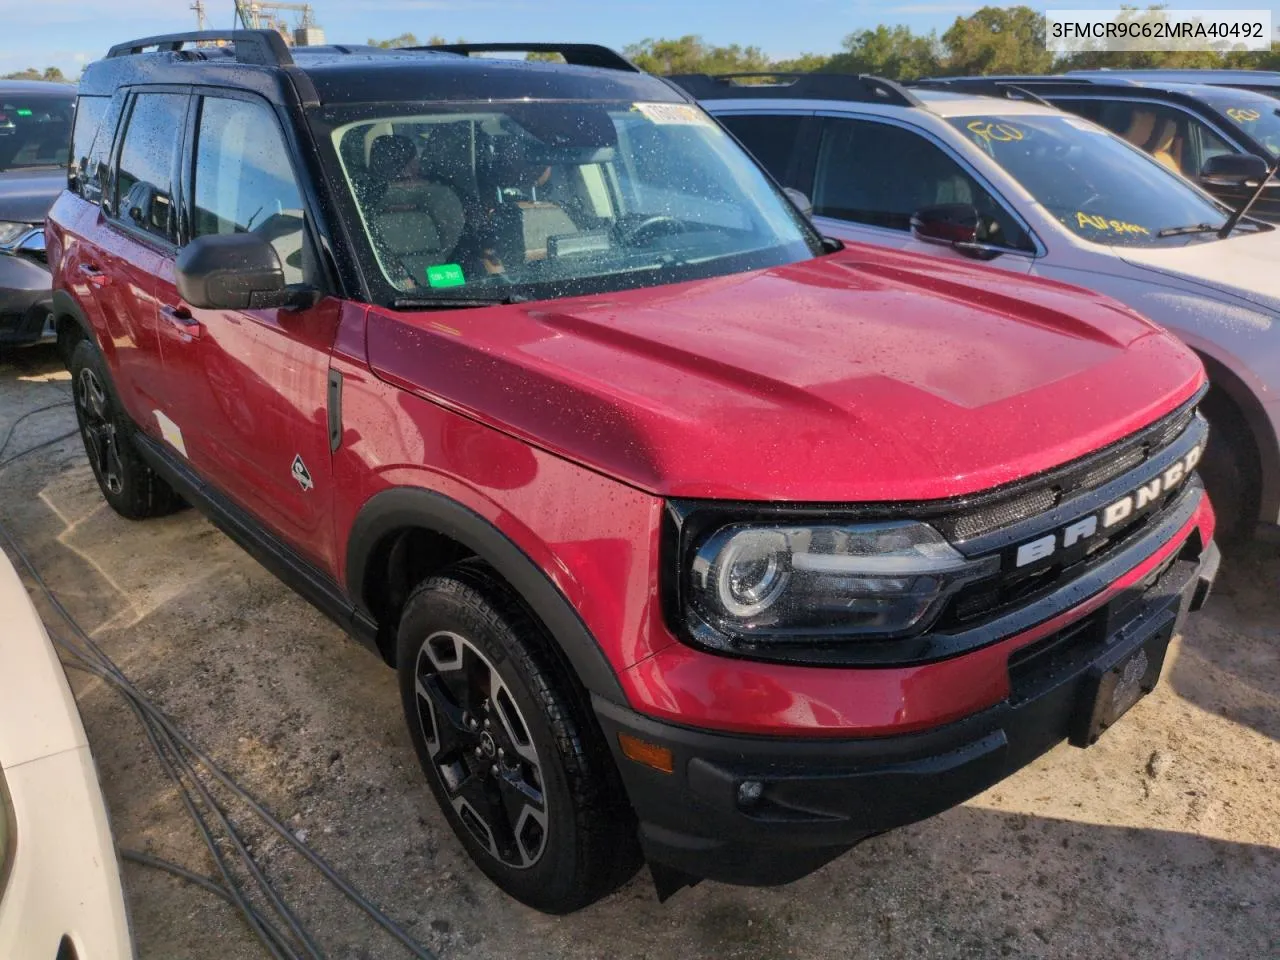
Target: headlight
(758,583)
(11,231)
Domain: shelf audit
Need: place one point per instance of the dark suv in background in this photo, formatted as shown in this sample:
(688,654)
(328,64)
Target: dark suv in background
(35,135)
(1187,127)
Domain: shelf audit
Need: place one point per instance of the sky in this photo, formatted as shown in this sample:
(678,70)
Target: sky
(70,33)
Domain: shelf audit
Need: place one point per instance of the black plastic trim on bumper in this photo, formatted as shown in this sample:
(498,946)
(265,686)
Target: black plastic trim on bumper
(26,299)
(818,797)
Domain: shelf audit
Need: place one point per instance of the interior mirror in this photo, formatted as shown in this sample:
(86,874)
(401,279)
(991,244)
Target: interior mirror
(956,225)
(232,271)
(1234,170)
(803,203)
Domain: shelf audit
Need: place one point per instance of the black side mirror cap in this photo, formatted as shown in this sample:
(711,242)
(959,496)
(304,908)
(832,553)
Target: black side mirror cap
(232,271)
(1234,170)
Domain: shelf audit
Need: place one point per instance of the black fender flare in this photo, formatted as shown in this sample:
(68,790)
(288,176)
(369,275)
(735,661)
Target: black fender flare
(404,507)
(65,306)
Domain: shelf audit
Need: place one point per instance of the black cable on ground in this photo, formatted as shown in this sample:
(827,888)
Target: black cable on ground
(270,937)
(100,663)
(38,446)
(178,870)
(8,434)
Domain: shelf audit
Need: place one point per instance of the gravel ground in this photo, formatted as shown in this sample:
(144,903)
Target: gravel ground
(1163,840)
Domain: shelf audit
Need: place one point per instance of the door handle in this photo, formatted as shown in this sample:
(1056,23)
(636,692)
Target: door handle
(95,276)
(180,318)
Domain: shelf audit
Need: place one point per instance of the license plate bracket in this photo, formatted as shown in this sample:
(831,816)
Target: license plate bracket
(1126,673)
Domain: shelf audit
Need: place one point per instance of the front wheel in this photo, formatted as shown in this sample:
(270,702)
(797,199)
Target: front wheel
(518,766)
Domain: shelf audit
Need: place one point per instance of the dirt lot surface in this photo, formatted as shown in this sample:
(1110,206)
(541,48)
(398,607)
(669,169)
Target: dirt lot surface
(1163,840)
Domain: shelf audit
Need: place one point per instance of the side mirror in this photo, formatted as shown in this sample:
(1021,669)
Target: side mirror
(955,225)
(1234,170)
(231,271)
(803,203)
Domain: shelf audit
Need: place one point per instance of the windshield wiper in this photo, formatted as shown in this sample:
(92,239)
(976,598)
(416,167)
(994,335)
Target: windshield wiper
(1190,228)
(454,303)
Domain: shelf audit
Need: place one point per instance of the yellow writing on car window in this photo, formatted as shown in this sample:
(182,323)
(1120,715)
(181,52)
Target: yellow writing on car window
(1243,114)
(993,132)
(1114,226)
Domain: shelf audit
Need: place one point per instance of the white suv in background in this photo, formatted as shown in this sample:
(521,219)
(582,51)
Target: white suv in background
(1030,189)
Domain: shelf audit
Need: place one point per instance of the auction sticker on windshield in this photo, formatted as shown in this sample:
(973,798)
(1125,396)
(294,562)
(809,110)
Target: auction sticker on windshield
(672,114)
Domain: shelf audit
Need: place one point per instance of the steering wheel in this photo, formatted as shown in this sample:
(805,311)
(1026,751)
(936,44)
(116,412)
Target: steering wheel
(656,225)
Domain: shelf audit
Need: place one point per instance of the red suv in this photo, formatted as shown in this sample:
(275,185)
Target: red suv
(693,537)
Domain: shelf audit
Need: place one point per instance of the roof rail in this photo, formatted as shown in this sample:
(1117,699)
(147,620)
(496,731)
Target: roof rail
(860,88)
(578,54)
(998,84)
(1008,89)
(263,47)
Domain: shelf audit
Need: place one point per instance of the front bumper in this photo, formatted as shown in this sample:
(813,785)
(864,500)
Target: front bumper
(26,300)
(765,810)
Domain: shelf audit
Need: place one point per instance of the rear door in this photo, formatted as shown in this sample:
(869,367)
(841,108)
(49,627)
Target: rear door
(130,241)
(254,383)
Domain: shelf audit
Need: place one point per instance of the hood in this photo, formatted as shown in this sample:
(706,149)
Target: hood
(26,194)
(864,375)
(1243,265)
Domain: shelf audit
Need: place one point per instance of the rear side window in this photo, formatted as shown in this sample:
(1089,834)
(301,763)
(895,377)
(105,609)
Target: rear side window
(880,174)
(772,140)
(89,114)
(244,183)
(144,181)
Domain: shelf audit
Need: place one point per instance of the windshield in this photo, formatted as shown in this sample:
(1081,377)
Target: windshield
(521,201)
(35,131)
(1254,115)
(1095,184)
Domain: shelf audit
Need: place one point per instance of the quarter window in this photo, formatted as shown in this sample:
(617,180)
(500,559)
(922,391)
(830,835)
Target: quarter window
(244,183)
(880,174)
(144,183)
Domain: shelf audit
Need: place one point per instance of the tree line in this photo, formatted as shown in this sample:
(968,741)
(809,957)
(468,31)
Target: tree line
(991,40)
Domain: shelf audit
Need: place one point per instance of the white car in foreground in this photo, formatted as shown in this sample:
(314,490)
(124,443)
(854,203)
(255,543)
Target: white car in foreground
(60,892)
(1034,190)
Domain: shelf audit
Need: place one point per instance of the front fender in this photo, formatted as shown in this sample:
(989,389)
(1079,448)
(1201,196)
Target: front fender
(403,507)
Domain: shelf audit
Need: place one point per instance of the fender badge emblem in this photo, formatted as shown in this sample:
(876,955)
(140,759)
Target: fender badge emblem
(301,474)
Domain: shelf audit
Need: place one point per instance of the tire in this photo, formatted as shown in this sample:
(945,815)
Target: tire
(545,819)
(130,487)
(1230,469)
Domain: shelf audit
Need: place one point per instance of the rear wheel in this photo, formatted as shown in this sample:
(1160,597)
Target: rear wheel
(520,771)
(130,487)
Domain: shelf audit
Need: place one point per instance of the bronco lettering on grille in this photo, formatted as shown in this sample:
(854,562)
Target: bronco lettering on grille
(1123,509)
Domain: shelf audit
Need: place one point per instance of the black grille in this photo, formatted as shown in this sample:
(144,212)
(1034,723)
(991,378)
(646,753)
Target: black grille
(1028,498)
(1014,587)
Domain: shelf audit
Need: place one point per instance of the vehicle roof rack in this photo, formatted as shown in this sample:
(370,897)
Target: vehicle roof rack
(1008,89)
(262,47)
(578,54)
(859,88)
(998,84)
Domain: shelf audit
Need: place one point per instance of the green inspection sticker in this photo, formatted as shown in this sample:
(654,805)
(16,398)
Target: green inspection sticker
(445,275)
